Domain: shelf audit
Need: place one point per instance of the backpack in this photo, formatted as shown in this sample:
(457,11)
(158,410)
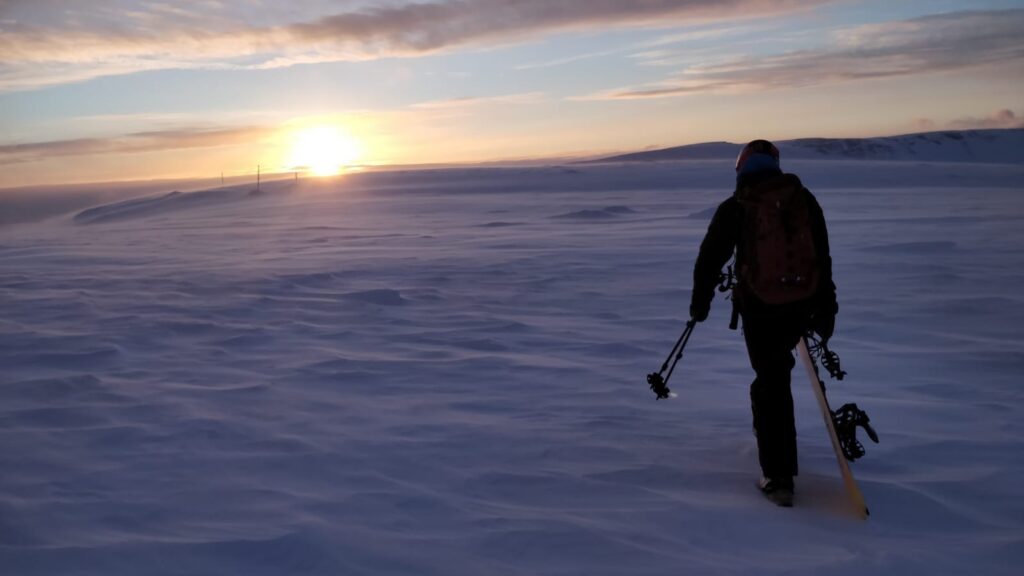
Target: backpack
(776,260)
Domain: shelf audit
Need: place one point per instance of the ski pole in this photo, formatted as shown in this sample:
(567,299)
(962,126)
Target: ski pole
(659,385)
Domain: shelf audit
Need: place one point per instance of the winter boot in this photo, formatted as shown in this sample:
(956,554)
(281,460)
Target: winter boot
(778,490)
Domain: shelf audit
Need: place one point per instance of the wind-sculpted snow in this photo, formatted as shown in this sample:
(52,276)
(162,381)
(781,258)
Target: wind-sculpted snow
(596,214)
(431,373)
(162,204)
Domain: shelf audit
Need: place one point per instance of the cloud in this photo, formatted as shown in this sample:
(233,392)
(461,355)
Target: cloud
(1001,119)
(36,51)
(1004,118)
(472,102)
(923,124)
(688,36)
(927,45)
(417,28)
(566,60)
(656,52)
(131,143)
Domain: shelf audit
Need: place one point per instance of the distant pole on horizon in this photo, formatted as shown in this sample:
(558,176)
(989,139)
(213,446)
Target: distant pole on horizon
(221,178)
(257,177)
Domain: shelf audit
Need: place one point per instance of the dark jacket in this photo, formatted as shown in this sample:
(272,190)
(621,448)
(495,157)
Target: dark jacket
(724,237)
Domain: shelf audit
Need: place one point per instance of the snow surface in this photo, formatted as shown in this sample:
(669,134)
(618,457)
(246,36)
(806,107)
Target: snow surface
(442,373)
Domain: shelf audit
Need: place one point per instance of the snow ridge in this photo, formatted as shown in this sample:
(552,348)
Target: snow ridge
(980,146)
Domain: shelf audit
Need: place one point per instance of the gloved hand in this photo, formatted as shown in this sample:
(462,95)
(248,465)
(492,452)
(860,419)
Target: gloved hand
(824,324)
(699,311)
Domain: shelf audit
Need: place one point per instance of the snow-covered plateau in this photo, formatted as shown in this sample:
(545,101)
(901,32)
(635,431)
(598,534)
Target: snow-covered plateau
(442,372)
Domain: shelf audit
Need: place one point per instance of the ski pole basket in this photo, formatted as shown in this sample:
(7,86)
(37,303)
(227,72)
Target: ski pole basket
(658,383)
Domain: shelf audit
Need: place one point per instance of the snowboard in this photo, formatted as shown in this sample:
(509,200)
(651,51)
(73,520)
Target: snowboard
(852,490)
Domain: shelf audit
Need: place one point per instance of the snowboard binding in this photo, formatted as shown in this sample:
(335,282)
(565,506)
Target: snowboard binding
(829,359)
(846,419)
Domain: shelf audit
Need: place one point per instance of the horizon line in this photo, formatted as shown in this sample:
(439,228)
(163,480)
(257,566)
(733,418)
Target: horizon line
(568,158)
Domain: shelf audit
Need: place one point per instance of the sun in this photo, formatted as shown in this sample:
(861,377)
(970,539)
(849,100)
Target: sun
(323,150)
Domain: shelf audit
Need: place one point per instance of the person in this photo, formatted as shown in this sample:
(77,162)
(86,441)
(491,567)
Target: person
(774,320)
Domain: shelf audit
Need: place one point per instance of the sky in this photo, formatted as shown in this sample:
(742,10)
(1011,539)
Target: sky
(111,90)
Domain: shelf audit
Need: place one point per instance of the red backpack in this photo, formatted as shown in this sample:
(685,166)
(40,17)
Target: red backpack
(776,260)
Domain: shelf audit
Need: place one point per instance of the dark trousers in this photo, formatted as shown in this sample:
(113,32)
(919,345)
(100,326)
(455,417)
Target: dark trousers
(771,334)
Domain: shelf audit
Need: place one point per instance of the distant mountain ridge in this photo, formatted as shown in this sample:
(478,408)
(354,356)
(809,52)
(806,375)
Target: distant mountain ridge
(996,146)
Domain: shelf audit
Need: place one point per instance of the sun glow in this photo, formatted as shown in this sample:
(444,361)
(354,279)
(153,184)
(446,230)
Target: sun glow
(323,150)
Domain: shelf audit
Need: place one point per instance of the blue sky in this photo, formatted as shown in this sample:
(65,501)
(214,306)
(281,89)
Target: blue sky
(133,89)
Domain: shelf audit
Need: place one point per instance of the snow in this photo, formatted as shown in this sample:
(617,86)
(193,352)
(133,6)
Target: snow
(443,372)
(994,146)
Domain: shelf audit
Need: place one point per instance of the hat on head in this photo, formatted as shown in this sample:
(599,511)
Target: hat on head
(763,153)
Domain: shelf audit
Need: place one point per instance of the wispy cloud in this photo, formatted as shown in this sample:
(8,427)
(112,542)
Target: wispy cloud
(1004,118)
(1001,119)
(658,51)
(131,143)
(477,101)
(112,40)
(695,35)
(932,44)
(566,60)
